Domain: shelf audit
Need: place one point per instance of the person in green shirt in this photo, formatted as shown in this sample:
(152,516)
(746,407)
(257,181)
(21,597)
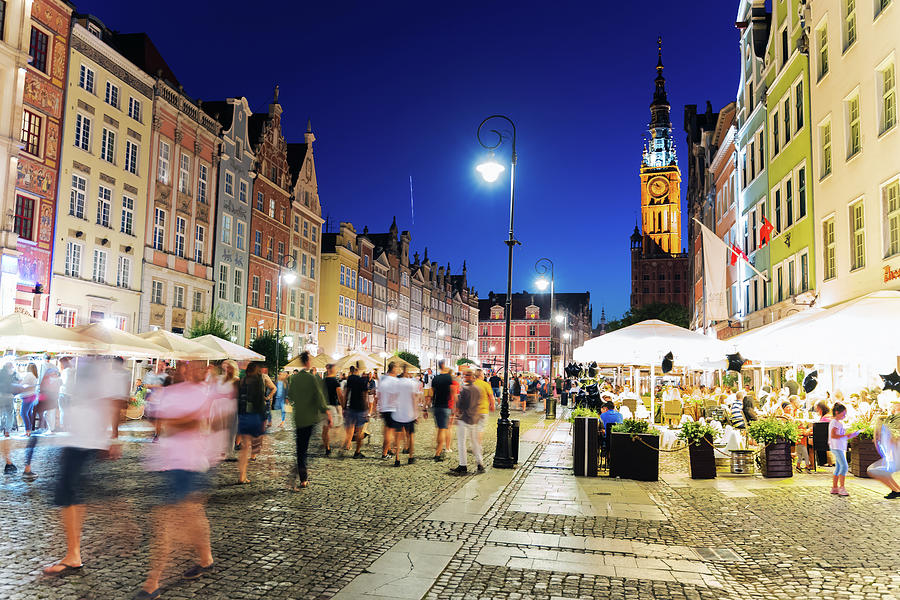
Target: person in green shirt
(304,392)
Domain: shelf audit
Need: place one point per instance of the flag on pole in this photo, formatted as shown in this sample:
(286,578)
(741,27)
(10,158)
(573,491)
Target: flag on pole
(765,232)
(715,259)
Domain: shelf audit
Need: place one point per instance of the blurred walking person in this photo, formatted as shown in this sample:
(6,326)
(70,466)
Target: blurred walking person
(467,424)
(386,405)
(28,397)
(305,395)
(48,400)
(90,417)
(9,387)
(278,404)
(334,397)
(190,420)
(440,405)
(405,415)
(356,413)
(251,415)
(228,384)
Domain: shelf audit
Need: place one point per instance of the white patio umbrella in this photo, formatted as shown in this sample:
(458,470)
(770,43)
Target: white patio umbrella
(361,361)
(757,344)
(232,350)
(21,332)
(180,348)
(117,342)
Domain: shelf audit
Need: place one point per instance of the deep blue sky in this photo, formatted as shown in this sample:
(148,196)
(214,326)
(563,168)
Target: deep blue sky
(397,89)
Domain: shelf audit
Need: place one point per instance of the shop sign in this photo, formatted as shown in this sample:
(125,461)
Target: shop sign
(890,274)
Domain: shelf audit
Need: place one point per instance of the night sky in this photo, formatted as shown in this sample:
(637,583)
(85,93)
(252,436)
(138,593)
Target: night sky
(397,89)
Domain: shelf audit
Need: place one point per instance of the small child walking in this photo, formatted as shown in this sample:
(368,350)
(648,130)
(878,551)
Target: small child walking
(837,440)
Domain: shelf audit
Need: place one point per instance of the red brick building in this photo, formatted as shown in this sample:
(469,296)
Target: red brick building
(270,218)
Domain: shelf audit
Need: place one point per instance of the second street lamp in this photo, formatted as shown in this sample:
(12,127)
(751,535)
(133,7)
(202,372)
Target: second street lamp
(505,455)
(391,307)
(285,261)
(542,267)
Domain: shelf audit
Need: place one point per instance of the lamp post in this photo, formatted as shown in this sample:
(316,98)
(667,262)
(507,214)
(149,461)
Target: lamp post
(285,261)
(542,267)
(490,171)
(391,316)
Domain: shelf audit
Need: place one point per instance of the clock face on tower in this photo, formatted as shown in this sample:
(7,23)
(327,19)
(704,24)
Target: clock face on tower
(659,187)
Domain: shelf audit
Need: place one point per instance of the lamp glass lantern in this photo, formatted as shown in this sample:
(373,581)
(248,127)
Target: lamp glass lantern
(490,169)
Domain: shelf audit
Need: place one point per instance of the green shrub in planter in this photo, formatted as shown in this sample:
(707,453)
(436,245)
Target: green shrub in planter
(634,426)
(699,437)
(865,428)
(634,451)
(582,411)
(775,436)
(693,432)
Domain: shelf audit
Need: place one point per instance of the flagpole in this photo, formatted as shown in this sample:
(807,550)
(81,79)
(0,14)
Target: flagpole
(703,262)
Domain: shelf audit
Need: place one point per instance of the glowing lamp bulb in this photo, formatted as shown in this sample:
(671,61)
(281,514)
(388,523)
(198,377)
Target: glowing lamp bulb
(289,277)
(542,283)
(490,170)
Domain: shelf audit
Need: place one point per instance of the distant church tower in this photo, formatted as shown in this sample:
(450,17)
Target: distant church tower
(658,266)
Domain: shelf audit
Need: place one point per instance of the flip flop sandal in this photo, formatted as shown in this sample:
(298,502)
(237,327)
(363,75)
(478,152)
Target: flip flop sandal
(145,595)
(66,570)
(197,571)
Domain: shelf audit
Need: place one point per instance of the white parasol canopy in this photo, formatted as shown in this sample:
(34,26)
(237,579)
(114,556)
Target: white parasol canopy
(647,342)
(180,348)
(21,332)
(232,350)
(757,344)
(361,361)
(118,342)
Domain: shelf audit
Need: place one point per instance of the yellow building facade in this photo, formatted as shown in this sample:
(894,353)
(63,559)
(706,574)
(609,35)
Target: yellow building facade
(337,292)
(102,205)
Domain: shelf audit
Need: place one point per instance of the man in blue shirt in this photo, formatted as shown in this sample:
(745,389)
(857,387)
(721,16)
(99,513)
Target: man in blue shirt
(609,414)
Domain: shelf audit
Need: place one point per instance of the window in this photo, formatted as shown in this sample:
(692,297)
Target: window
(260,199)
(269,248)
(296,224)
(134,109)
(179,297)
(271,208)
(267,295)
(786,112)
(229,183)
(162,169)
(312,267)
(86,79)
(24,218)
(798,105)
(159,229)
(804,272)
(239,235)
(243,192)
(226,229)
(857,236)
(828,258)
(199,238)
(31,132)
(108,146)
(99,274)
(180,229)
(281,251)
(238,287)
(73,259)
(888,99)
(532,347)
(293,303)
(306,229)
(880,5)
(789,203)
(849,23)
(238,149)
(198,301)
(82,132)
(254,291)
(825,135)
(77,196)
(343,275)
(822,37)
(131,157)
(532,330)
(127,215)
(202,179)
(775,139)
(790,270)
(340,306)
(123,272)
(778,210)
(752,155)
(112,94)
(104,203)
(156,292)
(303,269)
(854,141)
(801,193)
(184,174)
(315,233)
(891,199)
(38,49)
(780,282)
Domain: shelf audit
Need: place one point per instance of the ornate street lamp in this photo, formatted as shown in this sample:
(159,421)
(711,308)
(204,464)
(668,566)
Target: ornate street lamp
(391,306)
(285,261)
(490,170)
(542,267)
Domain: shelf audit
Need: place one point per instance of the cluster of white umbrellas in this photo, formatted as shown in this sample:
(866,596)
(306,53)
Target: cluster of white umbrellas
(22,333)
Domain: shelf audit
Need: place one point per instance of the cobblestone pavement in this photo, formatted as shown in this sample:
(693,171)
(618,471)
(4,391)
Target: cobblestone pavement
(543,534)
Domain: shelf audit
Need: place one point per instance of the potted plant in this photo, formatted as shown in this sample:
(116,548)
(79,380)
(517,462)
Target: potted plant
(585,441)
(863,451)
(699,437)
(634,451)
(775,436)
(693,406)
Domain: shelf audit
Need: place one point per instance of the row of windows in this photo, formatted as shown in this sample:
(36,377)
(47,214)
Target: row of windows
(848,31)
(78,198)
(158,295)
(99,274)
(86,81)
(68,316)
(346,307)
(159,236)
(787,120)
(346,336)
(311,231)
(348,277)
(163,172)
(261,206)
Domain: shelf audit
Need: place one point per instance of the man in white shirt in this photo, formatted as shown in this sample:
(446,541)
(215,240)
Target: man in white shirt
(386,405)
(405,415)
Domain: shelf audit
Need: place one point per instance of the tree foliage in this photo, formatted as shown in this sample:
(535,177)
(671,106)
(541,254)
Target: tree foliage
(265,343)
(408,357)
(464,361)
(670,313)
(213,325)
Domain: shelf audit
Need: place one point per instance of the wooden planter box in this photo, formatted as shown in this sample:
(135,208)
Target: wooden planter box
(631,459)
(585,446)
(703,459)
(776,460)
(863,453)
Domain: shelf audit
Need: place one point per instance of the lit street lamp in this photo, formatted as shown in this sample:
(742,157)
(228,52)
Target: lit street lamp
(490,171)
(285,261)
(542,267)
(392,316)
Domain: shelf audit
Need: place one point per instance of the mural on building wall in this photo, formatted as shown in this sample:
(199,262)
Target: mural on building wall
(43,95)
(34,178)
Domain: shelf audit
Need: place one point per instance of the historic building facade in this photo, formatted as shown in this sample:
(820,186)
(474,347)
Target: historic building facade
(856,142)
(306,242)
(270,232)
(30,205)
(234,186)
(659,268)
(723,173)
(104,175)
(337,302)
(178,274)
(364,292)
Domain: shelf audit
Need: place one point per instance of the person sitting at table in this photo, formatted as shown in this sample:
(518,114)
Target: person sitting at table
(609,414)
(750,408)
(736,408)
(783,411)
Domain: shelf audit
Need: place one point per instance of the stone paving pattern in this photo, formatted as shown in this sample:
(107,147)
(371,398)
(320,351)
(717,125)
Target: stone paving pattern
(544,535)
